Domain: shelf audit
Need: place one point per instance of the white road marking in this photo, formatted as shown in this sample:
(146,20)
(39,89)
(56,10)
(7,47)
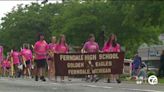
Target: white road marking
(94,86)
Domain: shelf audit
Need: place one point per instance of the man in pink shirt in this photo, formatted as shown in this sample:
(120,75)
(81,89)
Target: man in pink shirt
(40,49)
(26,54)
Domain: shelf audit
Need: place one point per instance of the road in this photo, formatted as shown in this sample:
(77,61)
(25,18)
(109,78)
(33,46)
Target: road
(28,85)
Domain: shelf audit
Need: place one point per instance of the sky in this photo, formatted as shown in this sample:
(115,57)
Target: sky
(7,5)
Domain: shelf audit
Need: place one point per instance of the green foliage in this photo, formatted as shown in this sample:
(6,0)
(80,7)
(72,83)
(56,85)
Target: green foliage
(149,73)
(134,22)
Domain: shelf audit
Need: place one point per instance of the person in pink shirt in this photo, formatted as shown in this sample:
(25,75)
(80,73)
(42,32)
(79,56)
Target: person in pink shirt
(1,53)
(50,61)
(40,50)
(91,46)
(112,46)
(6,66)
(26,54)
(15,55)
(1,56)
(62,47)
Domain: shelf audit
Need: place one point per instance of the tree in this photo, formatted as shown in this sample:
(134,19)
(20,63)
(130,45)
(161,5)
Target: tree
(23,24)
(134,22)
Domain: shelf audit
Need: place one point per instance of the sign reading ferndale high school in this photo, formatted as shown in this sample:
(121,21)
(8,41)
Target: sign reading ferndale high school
(88,63)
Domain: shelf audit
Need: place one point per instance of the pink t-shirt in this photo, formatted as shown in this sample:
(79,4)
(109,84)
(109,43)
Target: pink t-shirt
(40,49)
(91,47)
(6,63)
(52,47)
(27,53)
(15,55)
(110,48)
(61,48)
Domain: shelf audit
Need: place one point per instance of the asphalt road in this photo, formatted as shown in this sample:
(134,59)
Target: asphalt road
(28,85)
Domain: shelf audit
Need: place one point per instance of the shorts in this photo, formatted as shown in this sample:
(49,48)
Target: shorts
(50,59)
(7,68)
(28,62)
(41,63)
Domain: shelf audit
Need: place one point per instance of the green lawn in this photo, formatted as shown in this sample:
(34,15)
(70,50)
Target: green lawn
(161,80)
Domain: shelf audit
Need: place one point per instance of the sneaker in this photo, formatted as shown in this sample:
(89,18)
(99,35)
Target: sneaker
(108,81)
(42,78)
(92,80)
(118,81)
(36,78)
(97,79)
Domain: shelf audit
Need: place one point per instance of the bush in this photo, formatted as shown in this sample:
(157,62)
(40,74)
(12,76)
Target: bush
(149,73)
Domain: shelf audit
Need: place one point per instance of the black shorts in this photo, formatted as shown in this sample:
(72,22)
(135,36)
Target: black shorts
(28,62)
(41,63)
(7,68)
(50,59)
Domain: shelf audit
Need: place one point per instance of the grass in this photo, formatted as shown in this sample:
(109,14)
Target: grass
(161,80)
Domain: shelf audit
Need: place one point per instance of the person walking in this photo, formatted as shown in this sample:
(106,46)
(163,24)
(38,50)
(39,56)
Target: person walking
(136,65)
(50,59)
(40,50)
(15,56)
(26,54)
(62,47)
(111,45)
(91,47)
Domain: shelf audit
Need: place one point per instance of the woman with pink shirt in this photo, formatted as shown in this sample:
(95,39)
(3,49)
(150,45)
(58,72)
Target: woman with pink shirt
(26,54)
(112,46)
(40,50)
(15,55)
(50,61)
(62,47)
(91,47)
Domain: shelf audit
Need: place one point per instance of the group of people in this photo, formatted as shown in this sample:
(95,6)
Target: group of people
(139,68)
(35,62)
